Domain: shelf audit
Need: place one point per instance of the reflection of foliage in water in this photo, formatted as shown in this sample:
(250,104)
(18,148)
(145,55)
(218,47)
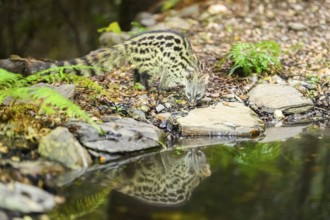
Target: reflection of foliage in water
(255,157)
(76,207)
(276,180)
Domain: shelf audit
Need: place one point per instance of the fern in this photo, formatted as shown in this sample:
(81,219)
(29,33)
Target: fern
(8,79)
(49,100)
(259,57)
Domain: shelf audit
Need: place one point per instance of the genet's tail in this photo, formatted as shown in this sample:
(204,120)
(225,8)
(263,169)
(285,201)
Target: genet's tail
(97,62)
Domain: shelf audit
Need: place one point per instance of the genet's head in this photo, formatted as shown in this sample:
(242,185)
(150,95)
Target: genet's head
(195,84)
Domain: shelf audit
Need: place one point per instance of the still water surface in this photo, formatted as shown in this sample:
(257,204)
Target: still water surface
(265,179)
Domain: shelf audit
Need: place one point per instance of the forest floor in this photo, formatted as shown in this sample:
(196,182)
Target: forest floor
(300,28)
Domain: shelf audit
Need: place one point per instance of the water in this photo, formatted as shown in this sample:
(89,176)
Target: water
(238,180)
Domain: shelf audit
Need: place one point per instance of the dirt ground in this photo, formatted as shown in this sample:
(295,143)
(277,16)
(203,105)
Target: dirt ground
(301,28)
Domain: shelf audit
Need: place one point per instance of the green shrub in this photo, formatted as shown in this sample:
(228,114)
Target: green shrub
(255,58)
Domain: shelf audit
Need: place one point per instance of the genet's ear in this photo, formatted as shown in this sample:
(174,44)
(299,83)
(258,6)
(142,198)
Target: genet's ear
(188,75)
(204,77)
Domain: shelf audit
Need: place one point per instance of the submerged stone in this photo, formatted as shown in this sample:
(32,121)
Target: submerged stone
(225,119)
(271,97)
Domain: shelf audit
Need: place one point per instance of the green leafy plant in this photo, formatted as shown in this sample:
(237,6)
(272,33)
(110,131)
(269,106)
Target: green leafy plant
(50,101)
(112,27)
(168,4)
(255,58)
(137,28)
(139,86)
(313,79)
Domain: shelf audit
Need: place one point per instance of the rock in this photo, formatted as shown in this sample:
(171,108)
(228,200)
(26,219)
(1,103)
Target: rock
(215,95)
(122,135)
(137,114)
(34,168)
(271,97)
(25,198)
(160,108)
(296,26)
(144,108)
(281,133)
(202,141)
(225,119)
(146,18)
(65,90)
(190,11)
(217,9)
(3,216)
(173,23)
(278,114)
(163,118)
(60,145)
(168,105)
(108,39)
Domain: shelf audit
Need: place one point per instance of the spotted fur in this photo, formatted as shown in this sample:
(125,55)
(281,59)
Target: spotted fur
(161,58)
(165,181)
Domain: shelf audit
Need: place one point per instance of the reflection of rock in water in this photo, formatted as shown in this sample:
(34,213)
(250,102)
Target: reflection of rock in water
(166,179)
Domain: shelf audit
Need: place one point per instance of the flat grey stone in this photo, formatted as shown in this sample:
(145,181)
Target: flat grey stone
(66,90)
(282,133)
(60,145)
(122,135)
(225,119)
(271,97)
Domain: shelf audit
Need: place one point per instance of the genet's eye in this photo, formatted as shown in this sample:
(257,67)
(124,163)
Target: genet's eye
(188,94)
(199,96)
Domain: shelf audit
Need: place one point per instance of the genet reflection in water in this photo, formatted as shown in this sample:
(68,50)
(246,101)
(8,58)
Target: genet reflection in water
(250,180)
(167,180)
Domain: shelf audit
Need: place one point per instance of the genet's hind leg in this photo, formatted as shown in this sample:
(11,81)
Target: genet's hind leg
(142,77)
(136,76)
(145,80)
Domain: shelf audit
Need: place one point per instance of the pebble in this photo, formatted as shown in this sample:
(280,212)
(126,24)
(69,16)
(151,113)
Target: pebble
(146,19)
(168,105)
(322,97)
(144,108)
(190,10)
(215,95)
(218,8)
(160,108)
(278,114)
(297,26)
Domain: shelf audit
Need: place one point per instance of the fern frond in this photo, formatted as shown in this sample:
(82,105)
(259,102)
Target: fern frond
(59,74)
(50,102)
(8,79)
(54,74)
